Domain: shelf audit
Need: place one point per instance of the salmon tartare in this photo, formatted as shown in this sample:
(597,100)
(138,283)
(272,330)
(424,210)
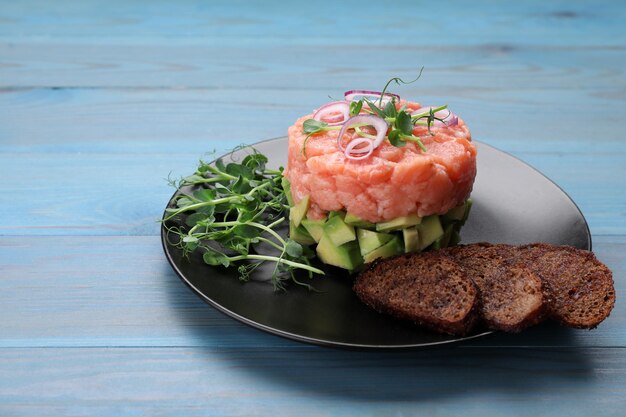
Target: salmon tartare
(376,158)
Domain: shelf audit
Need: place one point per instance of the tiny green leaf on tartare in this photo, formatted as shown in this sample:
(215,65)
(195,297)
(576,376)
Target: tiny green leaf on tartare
(400,121)
(313,126)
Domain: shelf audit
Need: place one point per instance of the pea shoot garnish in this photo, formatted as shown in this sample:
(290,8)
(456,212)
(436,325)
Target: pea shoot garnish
(231,213)
(382,107)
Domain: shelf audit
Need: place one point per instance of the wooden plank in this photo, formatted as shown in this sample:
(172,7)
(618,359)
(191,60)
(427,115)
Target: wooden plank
(98,102)
(322,22)
(199,120)
(312,382)
(476,68)
(120,291)
(125,194)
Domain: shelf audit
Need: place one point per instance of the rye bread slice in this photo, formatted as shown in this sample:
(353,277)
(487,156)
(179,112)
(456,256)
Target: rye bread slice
(429,289)
(579,288)
(511,296)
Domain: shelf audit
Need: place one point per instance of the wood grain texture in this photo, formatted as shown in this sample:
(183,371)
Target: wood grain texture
(311,382)
(200,120)
(126,193)
(324,22)
(100,101)
(476,68)
(120,291)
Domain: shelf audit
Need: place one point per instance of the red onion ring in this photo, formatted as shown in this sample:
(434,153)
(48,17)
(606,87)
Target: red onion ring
(449,119)
(340,107)
(375,95)
(362,152)
(378,123)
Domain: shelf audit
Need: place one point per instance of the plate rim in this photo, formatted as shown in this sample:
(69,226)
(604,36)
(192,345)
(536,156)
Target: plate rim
(333,344)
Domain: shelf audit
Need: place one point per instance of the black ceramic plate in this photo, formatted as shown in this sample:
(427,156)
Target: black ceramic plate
(513,203)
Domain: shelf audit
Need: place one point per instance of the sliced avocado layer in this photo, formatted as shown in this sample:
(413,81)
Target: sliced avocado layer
(297,212)
(411,239)
(399,223)
(287,187)
(368,240)
(356,221)
(300,235)
(346,241)
(338,231)
(344,256)
(314,227)
(393,247)
(429,230)
(444,240)
(458,214)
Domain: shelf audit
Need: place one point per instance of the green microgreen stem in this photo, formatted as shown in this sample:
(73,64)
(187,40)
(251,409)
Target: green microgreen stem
(269,230)
(217,201)
(272,243)
(219,172)
(276,259)
(427,113)
(316,127)
(232,213)
(397,80)
(358,130)
(201,205)
(414,139)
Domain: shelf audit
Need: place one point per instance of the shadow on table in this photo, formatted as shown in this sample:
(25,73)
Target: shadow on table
(537,359)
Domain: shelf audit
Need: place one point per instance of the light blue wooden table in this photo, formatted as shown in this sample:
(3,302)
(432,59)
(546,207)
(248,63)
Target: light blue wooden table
(100,101)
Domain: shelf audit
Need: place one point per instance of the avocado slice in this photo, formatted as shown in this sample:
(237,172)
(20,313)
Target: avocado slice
(314,227)
(458,214)
(338,231)
(300,235)
(356,221)
(455,214)
(368,240)
(297,212)
(444,240)
(332,214)
(399,223)
(429,230)
(411,239)
(468,207)
(393,247)
(287,187)
(344,256)
(455,237)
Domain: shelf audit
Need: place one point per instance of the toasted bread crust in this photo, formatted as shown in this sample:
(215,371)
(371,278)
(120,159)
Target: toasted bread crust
(579,288)
(431,291)
(507,287)
(511,295)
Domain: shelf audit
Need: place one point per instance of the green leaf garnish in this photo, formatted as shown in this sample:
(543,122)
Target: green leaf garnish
(355,107)
(401,121)
(394,138)
(404,123)
(311,126)
(375,108)
(212,257)
(293,248)
(390,108)
(232,217)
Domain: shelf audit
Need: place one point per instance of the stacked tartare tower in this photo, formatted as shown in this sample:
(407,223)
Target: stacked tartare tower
(363,177)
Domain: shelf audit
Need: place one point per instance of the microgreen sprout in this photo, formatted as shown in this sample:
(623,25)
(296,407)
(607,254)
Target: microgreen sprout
(398,80)
(400,121)
(311,127)
(231,213)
